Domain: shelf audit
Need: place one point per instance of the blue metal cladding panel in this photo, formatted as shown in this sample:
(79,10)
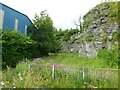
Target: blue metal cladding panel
(9,19)
(0,6)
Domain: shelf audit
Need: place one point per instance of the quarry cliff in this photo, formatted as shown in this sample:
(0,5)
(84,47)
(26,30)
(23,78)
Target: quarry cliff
(100,30)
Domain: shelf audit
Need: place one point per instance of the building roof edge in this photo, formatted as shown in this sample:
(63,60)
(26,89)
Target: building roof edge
(15,11)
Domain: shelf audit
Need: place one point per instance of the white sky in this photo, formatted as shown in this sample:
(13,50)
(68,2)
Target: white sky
(64,13)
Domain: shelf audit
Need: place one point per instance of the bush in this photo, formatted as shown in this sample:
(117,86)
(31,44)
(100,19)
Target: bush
(16,47)
(109,56)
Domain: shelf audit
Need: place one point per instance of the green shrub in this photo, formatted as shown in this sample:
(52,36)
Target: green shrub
(16,47)
(109,56)
(65,35)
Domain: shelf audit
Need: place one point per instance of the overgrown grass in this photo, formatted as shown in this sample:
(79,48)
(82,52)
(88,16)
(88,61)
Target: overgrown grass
(37,76)
(22,77)
(73,59)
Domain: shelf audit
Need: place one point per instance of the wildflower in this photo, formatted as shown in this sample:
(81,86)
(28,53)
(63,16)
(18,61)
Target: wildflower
(2,83)
(21,78)
(19,74)
(14,87)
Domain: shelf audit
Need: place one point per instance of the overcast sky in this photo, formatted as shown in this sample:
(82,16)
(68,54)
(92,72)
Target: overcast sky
(64,13)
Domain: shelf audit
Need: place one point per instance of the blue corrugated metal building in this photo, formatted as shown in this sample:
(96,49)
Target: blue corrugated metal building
(14,20)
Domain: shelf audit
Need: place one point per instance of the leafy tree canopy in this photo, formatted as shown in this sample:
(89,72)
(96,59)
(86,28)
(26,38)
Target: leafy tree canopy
(43,32)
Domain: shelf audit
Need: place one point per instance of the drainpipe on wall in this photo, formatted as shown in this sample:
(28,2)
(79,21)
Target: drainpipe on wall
(16,25)
(1,18)
(25,29)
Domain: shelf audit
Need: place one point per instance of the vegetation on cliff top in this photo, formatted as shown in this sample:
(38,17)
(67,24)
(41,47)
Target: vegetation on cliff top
(107,8)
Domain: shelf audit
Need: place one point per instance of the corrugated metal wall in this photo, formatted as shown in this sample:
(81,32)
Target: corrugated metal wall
(10,18)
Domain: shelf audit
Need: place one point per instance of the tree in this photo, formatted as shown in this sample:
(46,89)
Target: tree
(80,25)
(44,33)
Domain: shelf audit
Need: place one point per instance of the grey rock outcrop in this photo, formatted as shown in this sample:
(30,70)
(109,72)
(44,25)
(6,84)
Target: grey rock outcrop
(97,35)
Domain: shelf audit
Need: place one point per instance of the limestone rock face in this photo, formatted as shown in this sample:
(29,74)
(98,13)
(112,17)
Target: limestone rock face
(99,32)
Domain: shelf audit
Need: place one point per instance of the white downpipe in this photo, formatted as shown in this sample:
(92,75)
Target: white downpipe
(1,18)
